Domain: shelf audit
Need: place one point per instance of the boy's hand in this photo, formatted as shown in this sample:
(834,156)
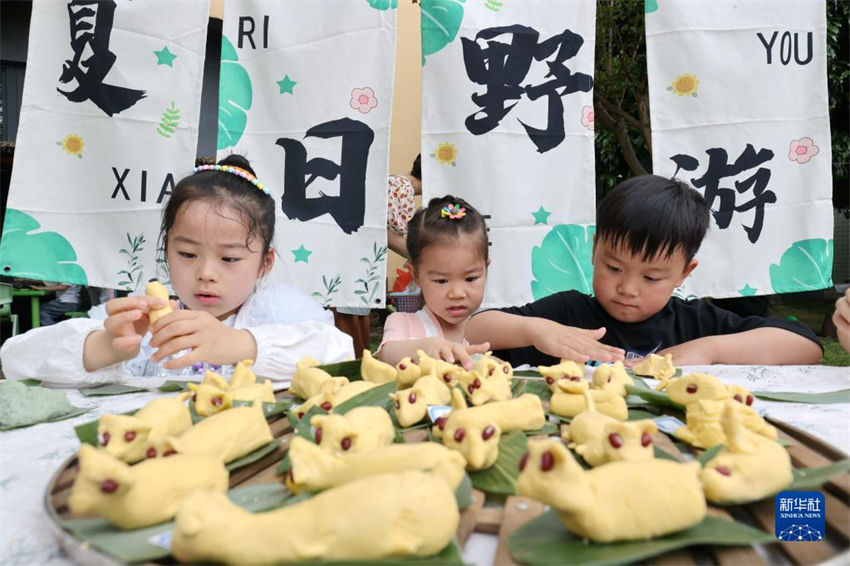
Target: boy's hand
(577,344)
(452,352)
(694,353)
(841,319)
(208,339)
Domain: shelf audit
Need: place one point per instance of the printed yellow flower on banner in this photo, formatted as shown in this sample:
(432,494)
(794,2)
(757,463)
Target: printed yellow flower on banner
(445,153)
(73,145)
(685,85)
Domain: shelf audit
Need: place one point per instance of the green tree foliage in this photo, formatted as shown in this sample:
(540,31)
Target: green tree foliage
(621,96)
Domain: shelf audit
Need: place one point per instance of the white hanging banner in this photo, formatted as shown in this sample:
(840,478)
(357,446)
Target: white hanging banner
(507,123)
(109,123)
(739,107)
(306,94)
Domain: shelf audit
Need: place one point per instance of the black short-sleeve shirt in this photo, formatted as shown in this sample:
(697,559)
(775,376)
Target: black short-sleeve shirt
(678,322)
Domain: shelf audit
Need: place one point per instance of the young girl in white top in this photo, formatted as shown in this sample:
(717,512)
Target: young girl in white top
(217,230)
(449,254)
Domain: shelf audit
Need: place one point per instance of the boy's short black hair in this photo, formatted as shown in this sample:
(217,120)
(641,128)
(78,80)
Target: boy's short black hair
(653,217)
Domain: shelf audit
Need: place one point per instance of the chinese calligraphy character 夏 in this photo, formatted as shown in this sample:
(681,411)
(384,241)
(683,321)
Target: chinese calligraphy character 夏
(91,27)
(501,67)
(722,199)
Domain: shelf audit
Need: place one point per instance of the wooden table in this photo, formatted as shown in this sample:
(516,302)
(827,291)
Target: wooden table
(35,302)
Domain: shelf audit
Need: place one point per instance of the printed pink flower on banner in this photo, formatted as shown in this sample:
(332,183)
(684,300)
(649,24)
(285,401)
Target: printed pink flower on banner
(363,99)
(588,117)
(802,150)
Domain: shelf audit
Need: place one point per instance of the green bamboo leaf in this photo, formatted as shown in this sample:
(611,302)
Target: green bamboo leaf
(545,540)
(75,412)
(349,369)
(30,381)
(808,478)
(827,397)
(663,454)
(171,386)
(708,455)
(376,397)
(528,373)
(548,429)
(110,389)
(501,476)
(463,493)
(254,456)
(658,398)
(135,546)
(269,409)
(639,415)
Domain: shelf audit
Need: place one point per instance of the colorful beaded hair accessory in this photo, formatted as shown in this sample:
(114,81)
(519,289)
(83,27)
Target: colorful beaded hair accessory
(238,171)
(453,211)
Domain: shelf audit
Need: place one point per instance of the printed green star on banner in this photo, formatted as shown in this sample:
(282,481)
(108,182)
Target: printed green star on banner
(302,254)
(165,57)
(286,85)
(541,216)
(747,291)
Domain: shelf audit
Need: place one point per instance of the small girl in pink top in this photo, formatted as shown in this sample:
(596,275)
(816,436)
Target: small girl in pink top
(449,254)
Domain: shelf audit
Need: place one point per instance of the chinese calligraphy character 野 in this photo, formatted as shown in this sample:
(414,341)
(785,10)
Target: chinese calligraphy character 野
(347,209)
(722,199)
(91,27)
(502,67)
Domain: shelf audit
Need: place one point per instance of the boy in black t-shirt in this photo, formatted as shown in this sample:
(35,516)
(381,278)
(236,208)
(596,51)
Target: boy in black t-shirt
(648,230)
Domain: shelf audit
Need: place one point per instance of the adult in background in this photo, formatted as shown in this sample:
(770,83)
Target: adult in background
(401,206)
(67,300)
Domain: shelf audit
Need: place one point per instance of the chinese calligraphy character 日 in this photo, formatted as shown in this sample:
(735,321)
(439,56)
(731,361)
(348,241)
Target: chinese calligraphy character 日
(718,169)
(501,67)
(91,27)
(349,208)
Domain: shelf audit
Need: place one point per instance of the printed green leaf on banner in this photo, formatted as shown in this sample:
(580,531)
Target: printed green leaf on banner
(440,23)
(37,255)
(383,4)
(805,266)
(545,540)
(562,261)
(234,97)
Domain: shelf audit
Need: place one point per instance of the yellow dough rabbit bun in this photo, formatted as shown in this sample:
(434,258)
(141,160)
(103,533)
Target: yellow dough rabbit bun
(598,438)
(228,435)
(308,379)
(411,405)
(313,469)
(157,289)
(656,367)
(748,468)
(409,513)
(134,437)
(613,377)
(617,501)
(376,371)
(568,399)
(566,369)
(359,430)
(148,493)
(704,398)
(475,431)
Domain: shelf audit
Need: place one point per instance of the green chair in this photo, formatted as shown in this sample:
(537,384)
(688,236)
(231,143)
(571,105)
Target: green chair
(6,307)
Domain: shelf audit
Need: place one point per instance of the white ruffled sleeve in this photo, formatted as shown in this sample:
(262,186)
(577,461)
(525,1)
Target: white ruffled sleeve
(287,325)
(54,354)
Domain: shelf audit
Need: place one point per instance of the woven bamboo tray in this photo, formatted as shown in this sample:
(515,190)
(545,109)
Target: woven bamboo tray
(805,450)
